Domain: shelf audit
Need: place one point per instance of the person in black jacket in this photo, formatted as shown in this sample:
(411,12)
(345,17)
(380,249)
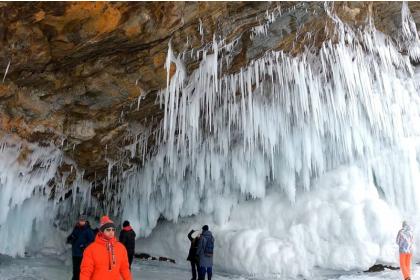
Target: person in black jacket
(128,238)
(192,255)
(94,230)
(80,238)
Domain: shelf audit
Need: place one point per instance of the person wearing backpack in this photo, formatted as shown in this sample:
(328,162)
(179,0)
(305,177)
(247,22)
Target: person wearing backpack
(205,253)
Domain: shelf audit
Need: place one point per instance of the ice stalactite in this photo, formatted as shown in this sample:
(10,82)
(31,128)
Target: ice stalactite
(410,38)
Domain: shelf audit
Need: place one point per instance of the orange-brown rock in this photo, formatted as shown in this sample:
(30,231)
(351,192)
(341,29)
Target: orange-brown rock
(77,68)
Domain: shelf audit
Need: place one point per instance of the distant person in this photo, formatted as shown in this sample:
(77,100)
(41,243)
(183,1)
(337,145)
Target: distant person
(205,253)
(80,238)
(405,243)
(106,258)
(95,230)
(128,239)
(192,255)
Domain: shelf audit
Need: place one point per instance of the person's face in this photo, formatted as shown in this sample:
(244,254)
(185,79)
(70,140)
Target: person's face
(82,222)
(109,232)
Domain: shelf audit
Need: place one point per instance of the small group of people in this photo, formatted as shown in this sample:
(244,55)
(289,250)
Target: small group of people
(200,254)
(97,254)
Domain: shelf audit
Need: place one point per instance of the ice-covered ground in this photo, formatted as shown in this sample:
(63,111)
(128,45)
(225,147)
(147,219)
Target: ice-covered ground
(52,268)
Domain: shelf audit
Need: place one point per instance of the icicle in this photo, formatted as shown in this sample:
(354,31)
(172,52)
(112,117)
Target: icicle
(7,70)
(201,30)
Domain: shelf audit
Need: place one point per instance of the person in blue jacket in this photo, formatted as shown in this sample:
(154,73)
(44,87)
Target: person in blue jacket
(81,236)
(205,253)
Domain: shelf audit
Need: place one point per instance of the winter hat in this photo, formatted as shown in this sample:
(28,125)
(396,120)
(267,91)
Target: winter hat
(205,228)
(404,224)
(82,217)
(105,223)
(126,223)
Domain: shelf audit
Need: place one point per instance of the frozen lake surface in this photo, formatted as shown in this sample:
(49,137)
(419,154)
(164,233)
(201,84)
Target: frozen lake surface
(50,268)
(46,268)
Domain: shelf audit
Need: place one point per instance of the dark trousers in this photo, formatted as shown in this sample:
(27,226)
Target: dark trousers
(130,259)
(77,261)
(194,269)
(202,273)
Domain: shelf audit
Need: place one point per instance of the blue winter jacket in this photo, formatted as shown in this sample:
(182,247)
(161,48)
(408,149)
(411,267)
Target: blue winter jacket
(79,239)
(205,261)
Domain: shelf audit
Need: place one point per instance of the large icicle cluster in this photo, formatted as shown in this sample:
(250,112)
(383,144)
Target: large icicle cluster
(273,134)
(409,40)
(278,123)
(33,205)
(25,171)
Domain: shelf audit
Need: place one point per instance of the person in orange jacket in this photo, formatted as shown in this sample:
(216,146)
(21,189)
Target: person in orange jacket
(106,258)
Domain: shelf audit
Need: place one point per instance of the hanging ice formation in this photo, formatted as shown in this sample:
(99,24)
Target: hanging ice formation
(304,150)
(274,133)
(25,171)
(279,123)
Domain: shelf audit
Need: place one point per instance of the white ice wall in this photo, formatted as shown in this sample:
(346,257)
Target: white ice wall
(25,170)
(342,223)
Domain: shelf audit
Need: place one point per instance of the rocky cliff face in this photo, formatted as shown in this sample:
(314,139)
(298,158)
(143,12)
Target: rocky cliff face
(84,76)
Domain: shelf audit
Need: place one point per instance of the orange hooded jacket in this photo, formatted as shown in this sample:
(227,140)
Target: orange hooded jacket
(105,260)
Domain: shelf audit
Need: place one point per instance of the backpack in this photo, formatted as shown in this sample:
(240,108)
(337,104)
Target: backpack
(208,249)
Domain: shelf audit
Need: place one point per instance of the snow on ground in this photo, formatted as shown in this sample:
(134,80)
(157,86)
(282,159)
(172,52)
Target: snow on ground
(53,268)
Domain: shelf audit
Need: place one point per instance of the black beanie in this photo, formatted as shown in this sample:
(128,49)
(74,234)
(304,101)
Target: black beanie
(105,223)
(205,228)
(126,223)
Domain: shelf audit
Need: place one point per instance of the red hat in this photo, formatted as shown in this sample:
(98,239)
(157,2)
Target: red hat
(105,223)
